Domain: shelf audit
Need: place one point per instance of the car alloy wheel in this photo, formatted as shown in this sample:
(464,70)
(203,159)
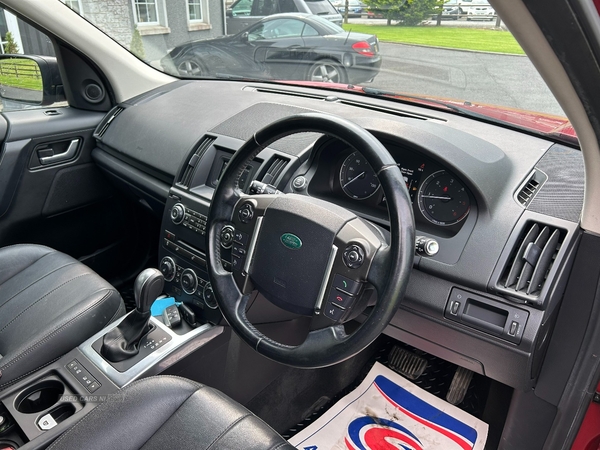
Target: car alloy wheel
(326,72)
(190,68)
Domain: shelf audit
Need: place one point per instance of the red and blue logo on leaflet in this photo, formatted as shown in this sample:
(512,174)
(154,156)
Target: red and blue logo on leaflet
(373,433)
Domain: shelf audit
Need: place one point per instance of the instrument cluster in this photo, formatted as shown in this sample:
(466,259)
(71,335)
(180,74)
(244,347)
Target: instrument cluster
(440,199)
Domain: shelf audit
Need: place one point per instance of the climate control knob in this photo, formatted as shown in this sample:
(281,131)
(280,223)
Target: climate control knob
(167,268)
(189,281)
(177,213)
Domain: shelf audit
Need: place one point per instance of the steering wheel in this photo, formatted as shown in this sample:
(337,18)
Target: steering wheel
(309,256)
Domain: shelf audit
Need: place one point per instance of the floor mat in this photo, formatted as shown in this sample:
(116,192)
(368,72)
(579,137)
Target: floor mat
(436,379)
(386,409)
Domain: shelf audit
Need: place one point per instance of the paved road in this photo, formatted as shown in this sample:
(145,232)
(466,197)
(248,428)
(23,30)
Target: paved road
(505,80)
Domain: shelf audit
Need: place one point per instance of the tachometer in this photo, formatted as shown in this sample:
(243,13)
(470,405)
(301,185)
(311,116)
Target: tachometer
(357,178)
(443,200)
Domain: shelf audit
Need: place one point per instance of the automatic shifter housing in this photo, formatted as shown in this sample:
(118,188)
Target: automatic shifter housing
(122,342)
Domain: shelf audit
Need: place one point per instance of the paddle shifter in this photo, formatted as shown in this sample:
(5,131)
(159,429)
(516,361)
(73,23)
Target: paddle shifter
(122,342)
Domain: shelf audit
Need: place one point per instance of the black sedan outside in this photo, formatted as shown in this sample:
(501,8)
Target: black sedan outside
(290,46)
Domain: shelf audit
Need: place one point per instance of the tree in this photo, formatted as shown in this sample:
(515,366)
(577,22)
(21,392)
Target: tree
(346,11)
(10,47)
(407,12)
(137,46)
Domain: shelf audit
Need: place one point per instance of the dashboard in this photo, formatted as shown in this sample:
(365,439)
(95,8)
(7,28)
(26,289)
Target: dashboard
(496,210)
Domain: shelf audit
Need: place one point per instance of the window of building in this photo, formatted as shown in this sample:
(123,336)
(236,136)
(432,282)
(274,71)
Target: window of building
(195,10)
(150,16)
(197,14)
(75,5)
(146,12)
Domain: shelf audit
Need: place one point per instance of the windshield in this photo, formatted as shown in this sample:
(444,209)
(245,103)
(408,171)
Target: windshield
(456,54)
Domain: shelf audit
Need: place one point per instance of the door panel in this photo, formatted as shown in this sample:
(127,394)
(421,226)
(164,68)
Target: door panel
(68,205)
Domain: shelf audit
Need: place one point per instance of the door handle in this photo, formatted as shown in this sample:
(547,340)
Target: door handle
(64,156)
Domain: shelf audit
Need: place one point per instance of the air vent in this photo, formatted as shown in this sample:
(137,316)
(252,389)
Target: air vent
(531,186)
(274,170)
(103,126)
(188,173)
(532,259)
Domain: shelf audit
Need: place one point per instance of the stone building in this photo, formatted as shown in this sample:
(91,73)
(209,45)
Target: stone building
(162,24)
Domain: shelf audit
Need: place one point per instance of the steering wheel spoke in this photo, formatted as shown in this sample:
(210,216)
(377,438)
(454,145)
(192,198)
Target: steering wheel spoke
(345,289)
(246,219)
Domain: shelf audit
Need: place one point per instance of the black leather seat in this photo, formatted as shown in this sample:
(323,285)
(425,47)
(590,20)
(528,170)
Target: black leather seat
(49,304)
(170,412)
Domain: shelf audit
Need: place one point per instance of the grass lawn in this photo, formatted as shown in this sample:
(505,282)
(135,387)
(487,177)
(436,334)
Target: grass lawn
(463,38)
(20,74)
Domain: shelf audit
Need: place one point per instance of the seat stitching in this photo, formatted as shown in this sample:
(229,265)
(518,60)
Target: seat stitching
(218,438)
(118,312)
(20,377)
(40,299)
(55,332)
(39,279)
(201,386)
(224,397)
(98,410)
(28,266)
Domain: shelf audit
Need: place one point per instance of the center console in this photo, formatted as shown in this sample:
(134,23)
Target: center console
(36,410)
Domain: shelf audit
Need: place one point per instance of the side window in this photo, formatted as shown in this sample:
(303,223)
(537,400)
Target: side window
(277,29)
(309,31)
(21,79)
(265,7)
(242,8)
(290,28)
(257,33)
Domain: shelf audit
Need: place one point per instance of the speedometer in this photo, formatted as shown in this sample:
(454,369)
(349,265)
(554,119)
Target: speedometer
(357,178)
(443,200)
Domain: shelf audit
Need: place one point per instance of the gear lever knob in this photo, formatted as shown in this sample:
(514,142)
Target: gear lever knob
(147,287)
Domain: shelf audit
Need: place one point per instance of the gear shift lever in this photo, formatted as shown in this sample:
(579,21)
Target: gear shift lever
(122,342)
(147,287)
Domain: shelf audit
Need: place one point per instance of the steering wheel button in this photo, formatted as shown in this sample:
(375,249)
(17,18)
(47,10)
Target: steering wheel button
(239,250)
(347,285)
(341,299)
(246,213)
(354,256)
(226,236)
(237,263)
(240,237)
(333,312)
